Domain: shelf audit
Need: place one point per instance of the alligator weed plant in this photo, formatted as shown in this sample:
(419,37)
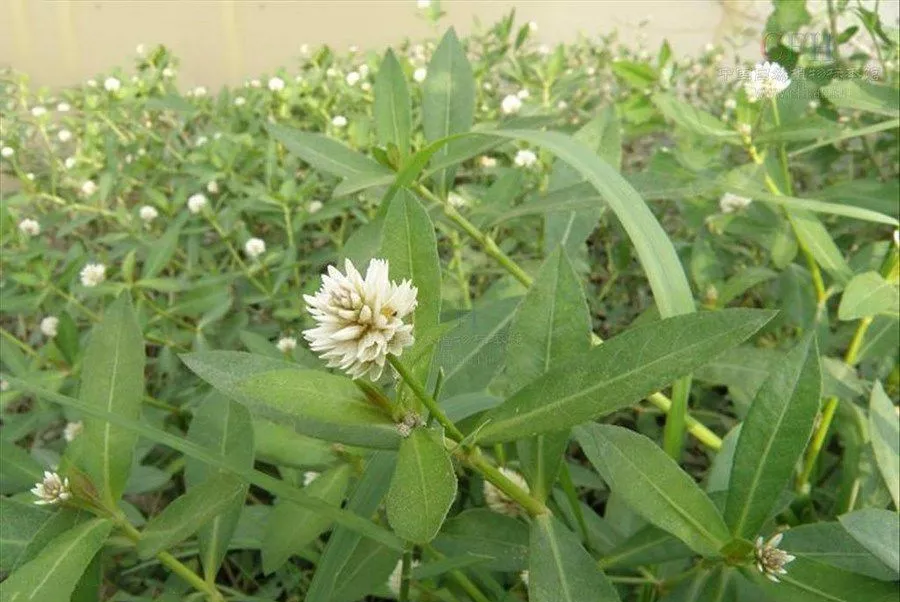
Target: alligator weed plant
(470,321)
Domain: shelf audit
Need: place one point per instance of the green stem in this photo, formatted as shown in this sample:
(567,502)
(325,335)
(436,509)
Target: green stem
(464,582)
(429,401)
(236,256)
(405,575)
(15,341)
(173,564)
(91,314)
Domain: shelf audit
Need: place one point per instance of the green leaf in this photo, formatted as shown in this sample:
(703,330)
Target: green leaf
(448,105)
(321,405)
(648,546)
(280,445)
(224,427)
(830,543)
(884,430)
(810,581)
(18,470)
(392,106)
(189,512)
(326,154)
(812,234)
(225,370)
(693,119)
(619,372)
(112,379)
(863,96)
(552,325)
(161,251)
(869,294)
(422,489)
(19,523)
(878,531)
(773,436)
(480,531)
(560,570)
(291,528)
(55,572)
(653,485)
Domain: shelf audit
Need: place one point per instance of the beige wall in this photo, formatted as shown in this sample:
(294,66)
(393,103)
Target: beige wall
(59,42)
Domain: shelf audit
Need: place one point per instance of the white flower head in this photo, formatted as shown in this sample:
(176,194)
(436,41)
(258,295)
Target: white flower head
(148,213)
(72,430)
(767,80)
(140,50)
(4,385)
(360,320)
(813,105)
(314,206)
(353,78)
(6,152)
(29,227)
(70,162)
(91,83)
(50,326)
(525,576)
(487,161)
(339,121)
(111,84)
(88,188)
(396,575)
(240,101)
(457,200)
(525,158)
(523,93)
(420,74)
(93,274)
(63,107)
(745,129)
(38,111)
(286,344)
(168,72)
(64,135)
(729,203)
(276,84)
(255,247)
(199,91)
(497,500)
(532,26)
(770,561)
(212,187)
(511,104)
(52,490)
(309,476)
(196,202)
(562,105)
(730,104)
(365,86)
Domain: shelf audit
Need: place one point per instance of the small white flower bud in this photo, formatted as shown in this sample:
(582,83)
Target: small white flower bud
(29,227)
(93,274)
(50,326)
(196,203)
(52,490)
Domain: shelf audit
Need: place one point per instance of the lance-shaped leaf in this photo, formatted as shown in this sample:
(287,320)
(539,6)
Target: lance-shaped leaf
(112,379)
(326,154)
(224,427)
(188,513)
(869,294)
(392,106)
(422,489)
(449,98)
(552,325)
(878,531)
(884,430)
(830,543)
(502,541)
(55,572)
(773,436)
(18,470)
(620,372)
(19,523)
(560,569)
(291,528)
(654,486)
(320,405)
(810,581)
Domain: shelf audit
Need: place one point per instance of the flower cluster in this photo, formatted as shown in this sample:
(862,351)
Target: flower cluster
(497,500)
(770,561)
(52,490)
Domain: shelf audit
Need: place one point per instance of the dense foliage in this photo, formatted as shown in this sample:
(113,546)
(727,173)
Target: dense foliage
(469,433)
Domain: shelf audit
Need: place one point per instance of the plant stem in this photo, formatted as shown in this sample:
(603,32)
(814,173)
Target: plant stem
(405,574)
(429,401)
(703,434)
(173,564)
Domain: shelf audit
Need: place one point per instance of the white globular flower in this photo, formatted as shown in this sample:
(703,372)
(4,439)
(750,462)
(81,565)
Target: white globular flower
(240,101)
(63,107)
(730,104)
(52,490)
(339,121)
(254,247)
(396,575)
(4,385)
(91,83)
(6,152)
(511,104)
(420,74)
(50,326)
(353,78)
(525,576)
(93,274)
(38,111)
(111,84)
(523,93)
(729,203)
(168,72)
(196,203)
(276,84)
(64,135)
(457,200)
(525,158)
(286,344)
(497,500)
(88,188)
(148,213)
(770,560)
(532,26)
(199,91)
(212,187)
(314,206)
(360,320)
(72,430)
(813,105)
(487,162)
(767,80)
(745,129)
(29,227)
